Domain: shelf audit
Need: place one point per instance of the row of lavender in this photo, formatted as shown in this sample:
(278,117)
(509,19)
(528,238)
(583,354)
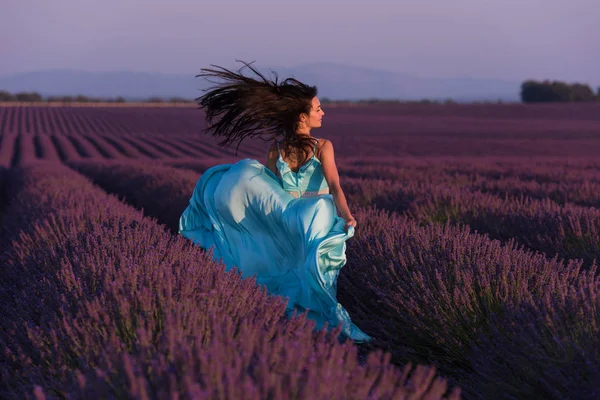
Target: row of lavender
(507,209)
(98,301)
(360,131)
(98,120)
(571,181)
(16,150)
(438,294)
(165,120)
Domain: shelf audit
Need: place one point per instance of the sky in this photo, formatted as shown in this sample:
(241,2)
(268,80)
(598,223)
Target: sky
(501,39)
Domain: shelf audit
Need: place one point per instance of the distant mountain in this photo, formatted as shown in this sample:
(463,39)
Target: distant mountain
(335,81)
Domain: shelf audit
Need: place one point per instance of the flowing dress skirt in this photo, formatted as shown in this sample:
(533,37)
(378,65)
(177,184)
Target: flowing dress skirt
(294,246)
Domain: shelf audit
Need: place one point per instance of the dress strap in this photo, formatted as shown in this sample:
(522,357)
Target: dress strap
(278,149)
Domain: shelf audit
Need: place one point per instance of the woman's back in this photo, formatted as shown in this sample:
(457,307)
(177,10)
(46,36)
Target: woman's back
(307,180)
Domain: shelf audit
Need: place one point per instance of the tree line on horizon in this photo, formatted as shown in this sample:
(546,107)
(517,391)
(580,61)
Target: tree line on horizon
(6,96)
(532,91)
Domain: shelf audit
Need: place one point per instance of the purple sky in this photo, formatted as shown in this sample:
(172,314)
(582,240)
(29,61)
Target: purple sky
(509,39)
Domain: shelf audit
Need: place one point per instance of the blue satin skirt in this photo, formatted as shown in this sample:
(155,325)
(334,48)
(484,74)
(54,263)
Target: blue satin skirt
(294,247)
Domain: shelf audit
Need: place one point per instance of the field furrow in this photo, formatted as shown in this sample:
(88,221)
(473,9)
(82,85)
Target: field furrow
(93,125)
(101,147)
(42,120)
(142,147)
(25,151)
(113,148)
(84,148)
(210,149)
(65,148)
(160,148)
(12,123)
(4,119)
(114,127)
(105,127)
(46,148)
(77,124)
(33,119)
(174,145)
(24,124)
(42,123)
(54,128)
(65,123)
(7,148)
(125,148)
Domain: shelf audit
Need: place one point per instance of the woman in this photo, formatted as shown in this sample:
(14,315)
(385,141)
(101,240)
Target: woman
(277,222)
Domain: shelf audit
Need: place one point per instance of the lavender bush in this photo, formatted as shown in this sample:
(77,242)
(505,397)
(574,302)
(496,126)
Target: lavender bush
(100,302)
(460,292)
(161,191)
(557,180)
(410,285)
(586,193)
(546,349)
(567,231)
(440,169)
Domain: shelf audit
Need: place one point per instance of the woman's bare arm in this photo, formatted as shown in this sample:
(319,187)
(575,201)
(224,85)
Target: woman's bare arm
(333,180)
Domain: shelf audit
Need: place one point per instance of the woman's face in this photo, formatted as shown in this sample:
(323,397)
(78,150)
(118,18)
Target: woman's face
(313,119)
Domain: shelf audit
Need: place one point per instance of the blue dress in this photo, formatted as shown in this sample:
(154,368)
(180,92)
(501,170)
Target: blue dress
(283,230)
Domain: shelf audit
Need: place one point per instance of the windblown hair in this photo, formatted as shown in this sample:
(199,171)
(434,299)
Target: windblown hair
(249,107)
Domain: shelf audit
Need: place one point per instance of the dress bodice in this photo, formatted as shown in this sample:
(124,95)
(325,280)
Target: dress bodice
(308,181)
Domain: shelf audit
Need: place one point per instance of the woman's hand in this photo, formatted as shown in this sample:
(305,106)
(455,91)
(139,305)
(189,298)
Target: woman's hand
(350,222)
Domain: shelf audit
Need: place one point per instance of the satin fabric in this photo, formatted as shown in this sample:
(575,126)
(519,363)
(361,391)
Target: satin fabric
(308,179)
(294,246)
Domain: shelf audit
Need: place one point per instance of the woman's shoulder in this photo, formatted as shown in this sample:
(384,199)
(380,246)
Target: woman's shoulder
(323,144)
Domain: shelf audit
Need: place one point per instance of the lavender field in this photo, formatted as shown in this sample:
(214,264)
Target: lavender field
(474,265)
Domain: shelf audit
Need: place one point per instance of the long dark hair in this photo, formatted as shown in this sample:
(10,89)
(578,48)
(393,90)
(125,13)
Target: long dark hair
(249,107)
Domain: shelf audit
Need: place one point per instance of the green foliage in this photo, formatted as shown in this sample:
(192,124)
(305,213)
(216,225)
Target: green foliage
(179,100)
(556,91)
(6,96)
(28,96)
